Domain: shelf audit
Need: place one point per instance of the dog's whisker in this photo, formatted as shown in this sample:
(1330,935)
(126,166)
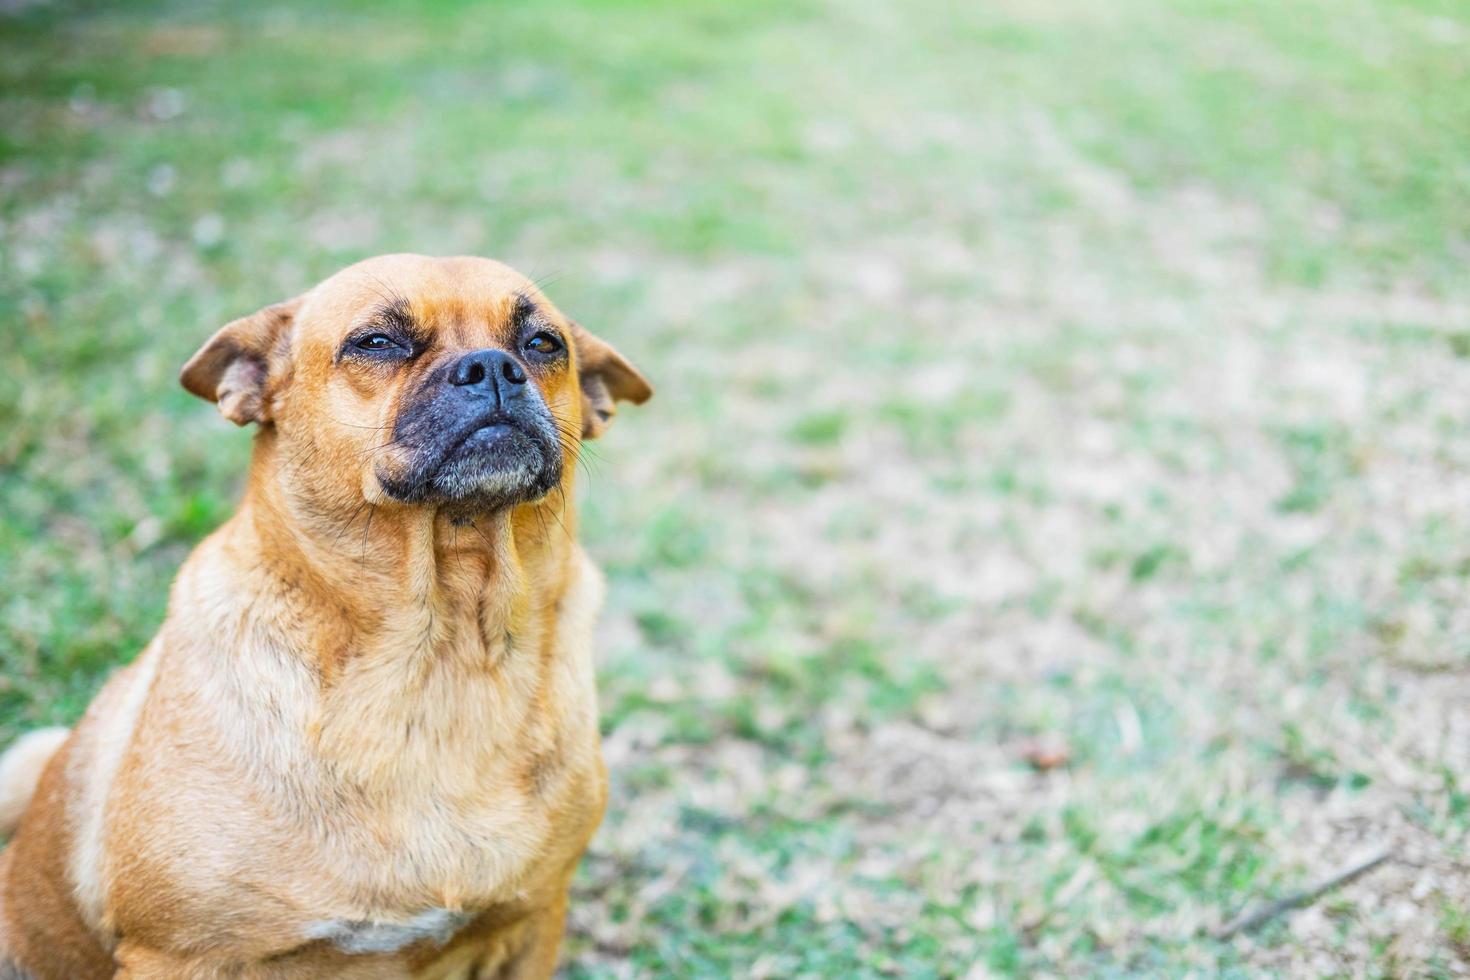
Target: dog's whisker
(355,425)
(480,531)
(373,451)
(541,519)
(368,526)
(343,529)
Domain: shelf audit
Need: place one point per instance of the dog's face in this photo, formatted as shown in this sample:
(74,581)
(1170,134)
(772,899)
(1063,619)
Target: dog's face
(448,383)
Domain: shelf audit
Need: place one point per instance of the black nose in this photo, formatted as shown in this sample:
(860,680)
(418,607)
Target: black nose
(493,371)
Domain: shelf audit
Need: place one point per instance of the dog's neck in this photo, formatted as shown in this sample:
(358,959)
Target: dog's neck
(360,583)
(411,633)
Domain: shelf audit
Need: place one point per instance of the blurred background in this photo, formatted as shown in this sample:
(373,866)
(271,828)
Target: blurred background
(1052,530)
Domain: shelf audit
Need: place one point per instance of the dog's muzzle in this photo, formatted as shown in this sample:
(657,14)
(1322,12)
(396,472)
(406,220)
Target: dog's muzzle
(477,434)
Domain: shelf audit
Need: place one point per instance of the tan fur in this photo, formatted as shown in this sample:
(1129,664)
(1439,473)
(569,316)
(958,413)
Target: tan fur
(355,711)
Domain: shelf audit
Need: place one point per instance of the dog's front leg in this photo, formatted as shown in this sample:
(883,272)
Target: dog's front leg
(536,952)
(535,955)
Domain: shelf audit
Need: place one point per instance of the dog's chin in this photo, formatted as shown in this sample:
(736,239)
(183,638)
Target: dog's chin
(498,463)
(494,467)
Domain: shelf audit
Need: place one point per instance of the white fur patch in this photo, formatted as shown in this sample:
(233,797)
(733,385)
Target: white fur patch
(374,936)
(93,769)
(20,770)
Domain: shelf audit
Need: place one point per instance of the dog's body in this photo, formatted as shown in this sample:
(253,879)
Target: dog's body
(364,742)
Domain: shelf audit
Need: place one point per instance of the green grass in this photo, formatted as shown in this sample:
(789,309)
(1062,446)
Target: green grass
(1081,372)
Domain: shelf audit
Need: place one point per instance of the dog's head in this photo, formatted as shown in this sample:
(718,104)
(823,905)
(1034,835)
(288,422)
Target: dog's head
(451,383)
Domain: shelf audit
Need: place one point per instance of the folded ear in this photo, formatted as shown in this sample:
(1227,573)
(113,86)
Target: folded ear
(233,368)
(606,378)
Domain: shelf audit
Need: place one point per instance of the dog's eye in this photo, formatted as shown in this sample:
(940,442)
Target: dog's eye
(543,343)
(377,341)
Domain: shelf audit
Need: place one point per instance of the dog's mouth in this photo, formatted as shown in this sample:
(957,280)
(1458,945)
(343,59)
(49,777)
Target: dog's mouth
(482,463)
(498,434)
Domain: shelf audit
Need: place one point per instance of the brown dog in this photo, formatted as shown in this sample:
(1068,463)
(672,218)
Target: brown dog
(364,742)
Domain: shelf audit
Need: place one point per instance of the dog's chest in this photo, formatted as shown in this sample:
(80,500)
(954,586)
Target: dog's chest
(419,891)
(458,849)
(419,863)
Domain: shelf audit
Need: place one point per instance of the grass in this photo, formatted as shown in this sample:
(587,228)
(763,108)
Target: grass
(1076,372)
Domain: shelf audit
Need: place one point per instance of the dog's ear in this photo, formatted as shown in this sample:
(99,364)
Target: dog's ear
(233,368)
(606,378)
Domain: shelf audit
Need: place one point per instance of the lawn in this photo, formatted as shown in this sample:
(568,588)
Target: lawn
(1051,534)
